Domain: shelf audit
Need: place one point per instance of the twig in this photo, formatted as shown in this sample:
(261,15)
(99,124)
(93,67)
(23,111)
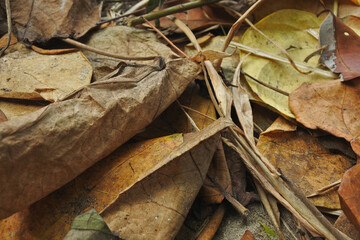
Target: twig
(98,51)
(269,210)
(196,111)
(325,189)
(166,39)
(8,18)
(235,27)
(171,10)
(188,116)
(138,5)
(235,203)
(335,232)
(266,85)
(267,55)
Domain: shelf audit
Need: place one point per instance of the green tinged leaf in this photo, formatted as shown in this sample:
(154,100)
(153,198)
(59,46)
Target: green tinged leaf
(89,226)
(269,232)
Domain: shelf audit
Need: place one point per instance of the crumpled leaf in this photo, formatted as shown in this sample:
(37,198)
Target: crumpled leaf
(119,40)
(349,194)
(89,225)
(343,45)
(3,117)
(288,29)
(303,160)
(41,20)
(330,106)
(26,74)
(167,168)
(43,150)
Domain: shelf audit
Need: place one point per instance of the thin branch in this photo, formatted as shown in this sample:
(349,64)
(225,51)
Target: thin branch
(8,18)
(98,51)
(166,39)
(196,111)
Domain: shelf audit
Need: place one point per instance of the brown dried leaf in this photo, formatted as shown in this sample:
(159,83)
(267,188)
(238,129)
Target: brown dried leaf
(124,41)
(158,178)
(344,225)
(41,20)
(15,108)
(248,236)
(330,106)
(26,74)
(303,160)
(210,55)
(3,117)
(341,55)
(349,194)
(218,172)
(43,150)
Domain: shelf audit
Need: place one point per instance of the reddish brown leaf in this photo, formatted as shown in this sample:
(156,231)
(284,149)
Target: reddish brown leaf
(43,19)
(349,194)
(3,117)
(248,236)
(331,106)
(341,55)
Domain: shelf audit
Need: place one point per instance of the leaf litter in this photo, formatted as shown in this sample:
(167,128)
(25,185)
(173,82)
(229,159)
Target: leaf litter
(63,147)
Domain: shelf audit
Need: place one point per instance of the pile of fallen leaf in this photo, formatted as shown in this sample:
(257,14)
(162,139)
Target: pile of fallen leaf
(105,134)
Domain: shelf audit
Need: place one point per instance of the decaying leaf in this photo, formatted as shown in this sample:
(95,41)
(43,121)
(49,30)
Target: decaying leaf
(26,74)
(330,106)
(349,194)
(303,160)
(124,41)
(288,29)
(341,55)
(89,225)
(151,184)
(43,150)
(15,108)
(42,20)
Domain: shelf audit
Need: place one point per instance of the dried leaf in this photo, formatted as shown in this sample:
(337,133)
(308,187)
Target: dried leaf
(40,147)
(330,106)
(124,41)
(39,21)
(288,29)
(213,225)
(170,170)
(344,225)
(26,74)
(248,235)
(219,172)
(210,55)
(222,93)
(349,194)
(89,225)
(303,160)
(343,44)
(15,108)
(3,117)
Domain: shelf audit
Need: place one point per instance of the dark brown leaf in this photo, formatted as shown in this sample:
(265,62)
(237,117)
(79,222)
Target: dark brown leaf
(343,45)
(41,20)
